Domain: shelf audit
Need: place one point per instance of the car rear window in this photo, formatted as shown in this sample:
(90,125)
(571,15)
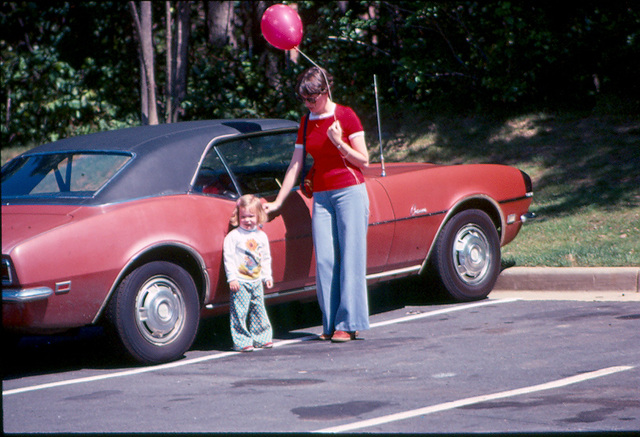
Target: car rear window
(59,175)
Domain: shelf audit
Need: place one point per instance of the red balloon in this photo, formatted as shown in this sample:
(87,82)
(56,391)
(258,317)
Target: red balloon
(282,27)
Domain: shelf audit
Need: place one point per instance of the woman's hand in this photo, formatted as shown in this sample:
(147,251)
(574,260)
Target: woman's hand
(335,133)
(355,151)
(234,286)
(289,181)
(271,207)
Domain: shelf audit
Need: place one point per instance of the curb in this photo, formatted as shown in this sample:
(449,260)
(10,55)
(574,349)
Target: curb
(622,279)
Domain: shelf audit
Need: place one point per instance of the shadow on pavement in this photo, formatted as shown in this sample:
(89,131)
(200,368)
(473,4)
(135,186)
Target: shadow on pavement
(89,348)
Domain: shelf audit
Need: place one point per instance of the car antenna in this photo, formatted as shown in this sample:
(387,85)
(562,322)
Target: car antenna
(375,89)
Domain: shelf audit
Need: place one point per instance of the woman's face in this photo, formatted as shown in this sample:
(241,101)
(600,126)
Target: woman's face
(316,103)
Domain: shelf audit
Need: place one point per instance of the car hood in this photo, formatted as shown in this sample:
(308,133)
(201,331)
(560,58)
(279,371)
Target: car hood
(22,222)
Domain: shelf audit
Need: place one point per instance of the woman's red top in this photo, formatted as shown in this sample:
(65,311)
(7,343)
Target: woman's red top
(332,171)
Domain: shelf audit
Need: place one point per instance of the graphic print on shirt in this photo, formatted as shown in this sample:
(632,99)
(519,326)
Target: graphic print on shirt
(250,267)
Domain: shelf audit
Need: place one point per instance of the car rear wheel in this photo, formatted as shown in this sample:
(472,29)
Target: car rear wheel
(155,312)
(467,256)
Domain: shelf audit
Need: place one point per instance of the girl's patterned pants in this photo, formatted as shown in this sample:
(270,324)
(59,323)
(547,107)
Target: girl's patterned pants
(250,324)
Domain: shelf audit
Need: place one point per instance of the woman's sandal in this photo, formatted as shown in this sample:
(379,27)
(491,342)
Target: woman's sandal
(343,336)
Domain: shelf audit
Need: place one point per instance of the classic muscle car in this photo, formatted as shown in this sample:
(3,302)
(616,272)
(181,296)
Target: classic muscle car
(126,227)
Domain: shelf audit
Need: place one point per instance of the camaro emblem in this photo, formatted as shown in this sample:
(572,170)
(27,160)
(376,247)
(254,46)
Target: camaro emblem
(415,211)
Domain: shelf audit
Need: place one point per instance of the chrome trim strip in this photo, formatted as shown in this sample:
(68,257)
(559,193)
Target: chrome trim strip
(269,296)
(26,295)
(412,217)
(293,291)
(210,144)
(515,199)
(396,272)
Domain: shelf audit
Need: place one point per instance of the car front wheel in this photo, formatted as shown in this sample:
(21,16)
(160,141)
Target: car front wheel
(467,256)
(155,312)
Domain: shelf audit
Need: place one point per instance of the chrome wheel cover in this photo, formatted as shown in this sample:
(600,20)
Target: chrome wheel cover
(160,310)
(471,254)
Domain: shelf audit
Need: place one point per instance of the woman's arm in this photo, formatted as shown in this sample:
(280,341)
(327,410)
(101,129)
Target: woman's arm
(356,152)
(290,178)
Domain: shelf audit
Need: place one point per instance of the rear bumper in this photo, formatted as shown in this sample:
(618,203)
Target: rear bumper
(527,216)
(26,294)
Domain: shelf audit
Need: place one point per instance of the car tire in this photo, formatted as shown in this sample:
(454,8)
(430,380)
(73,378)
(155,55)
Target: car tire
(155,313)
(466,256)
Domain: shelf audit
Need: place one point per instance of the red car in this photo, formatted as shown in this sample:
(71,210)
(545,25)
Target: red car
(126,228)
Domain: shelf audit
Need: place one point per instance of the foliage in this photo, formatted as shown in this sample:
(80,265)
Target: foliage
(53,88)
(71,67)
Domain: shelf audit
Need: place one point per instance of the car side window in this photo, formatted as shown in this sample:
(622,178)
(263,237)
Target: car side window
(254,164)
(213,177)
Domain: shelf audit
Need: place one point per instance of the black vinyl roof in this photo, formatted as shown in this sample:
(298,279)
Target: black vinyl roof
(165,156)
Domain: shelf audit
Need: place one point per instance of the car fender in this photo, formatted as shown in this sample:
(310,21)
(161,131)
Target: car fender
(477,201)
(155,252)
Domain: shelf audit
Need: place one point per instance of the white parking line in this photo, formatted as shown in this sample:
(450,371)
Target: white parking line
(442,311)
(190,361)
(475,400)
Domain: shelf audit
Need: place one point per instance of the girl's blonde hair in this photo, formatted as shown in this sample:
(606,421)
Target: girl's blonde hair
(253,203)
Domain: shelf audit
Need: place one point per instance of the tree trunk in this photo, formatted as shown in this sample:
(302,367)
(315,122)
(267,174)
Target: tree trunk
(143,25)
(179,80)
(220,16)
(169,66)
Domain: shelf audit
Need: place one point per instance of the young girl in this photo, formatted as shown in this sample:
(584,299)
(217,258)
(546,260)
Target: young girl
(247,262)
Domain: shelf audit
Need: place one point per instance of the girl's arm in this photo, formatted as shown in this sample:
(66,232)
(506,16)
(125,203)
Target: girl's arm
(228,253)
(265,262)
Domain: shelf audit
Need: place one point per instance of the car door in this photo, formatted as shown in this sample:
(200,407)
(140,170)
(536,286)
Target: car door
(256,164)
(416,219)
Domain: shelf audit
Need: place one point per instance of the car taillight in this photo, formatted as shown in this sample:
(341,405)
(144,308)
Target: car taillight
(7,272)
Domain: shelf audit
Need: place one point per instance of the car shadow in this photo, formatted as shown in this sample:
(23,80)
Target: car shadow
(84,348)
(90,348)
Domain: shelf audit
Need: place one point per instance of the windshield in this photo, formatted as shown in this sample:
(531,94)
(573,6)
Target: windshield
(59,175)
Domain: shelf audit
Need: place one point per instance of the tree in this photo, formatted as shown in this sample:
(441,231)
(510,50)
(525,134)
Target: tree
(220,23)
(143,21)
(66,67)
(177,55)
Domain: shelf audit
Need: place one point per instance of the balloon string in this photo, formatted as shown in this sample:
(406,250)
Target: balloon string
(322,71)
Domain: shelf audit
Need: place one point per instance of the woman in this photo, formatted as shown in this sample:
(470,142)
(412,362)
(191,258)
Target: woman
(335,139)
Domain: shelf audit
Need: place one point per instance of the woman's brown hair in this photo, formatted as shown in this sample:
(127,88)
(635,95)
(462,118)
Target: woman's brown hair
(314,80)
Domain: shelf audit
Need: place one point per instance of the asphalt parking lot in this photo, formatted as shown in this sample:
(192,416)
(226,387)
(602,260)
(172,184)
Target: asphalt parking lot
(504,364)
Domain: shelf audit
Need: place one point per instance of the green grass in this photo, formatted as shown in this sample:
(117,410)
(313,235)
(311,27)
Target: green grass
(585,172)
(590,237)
